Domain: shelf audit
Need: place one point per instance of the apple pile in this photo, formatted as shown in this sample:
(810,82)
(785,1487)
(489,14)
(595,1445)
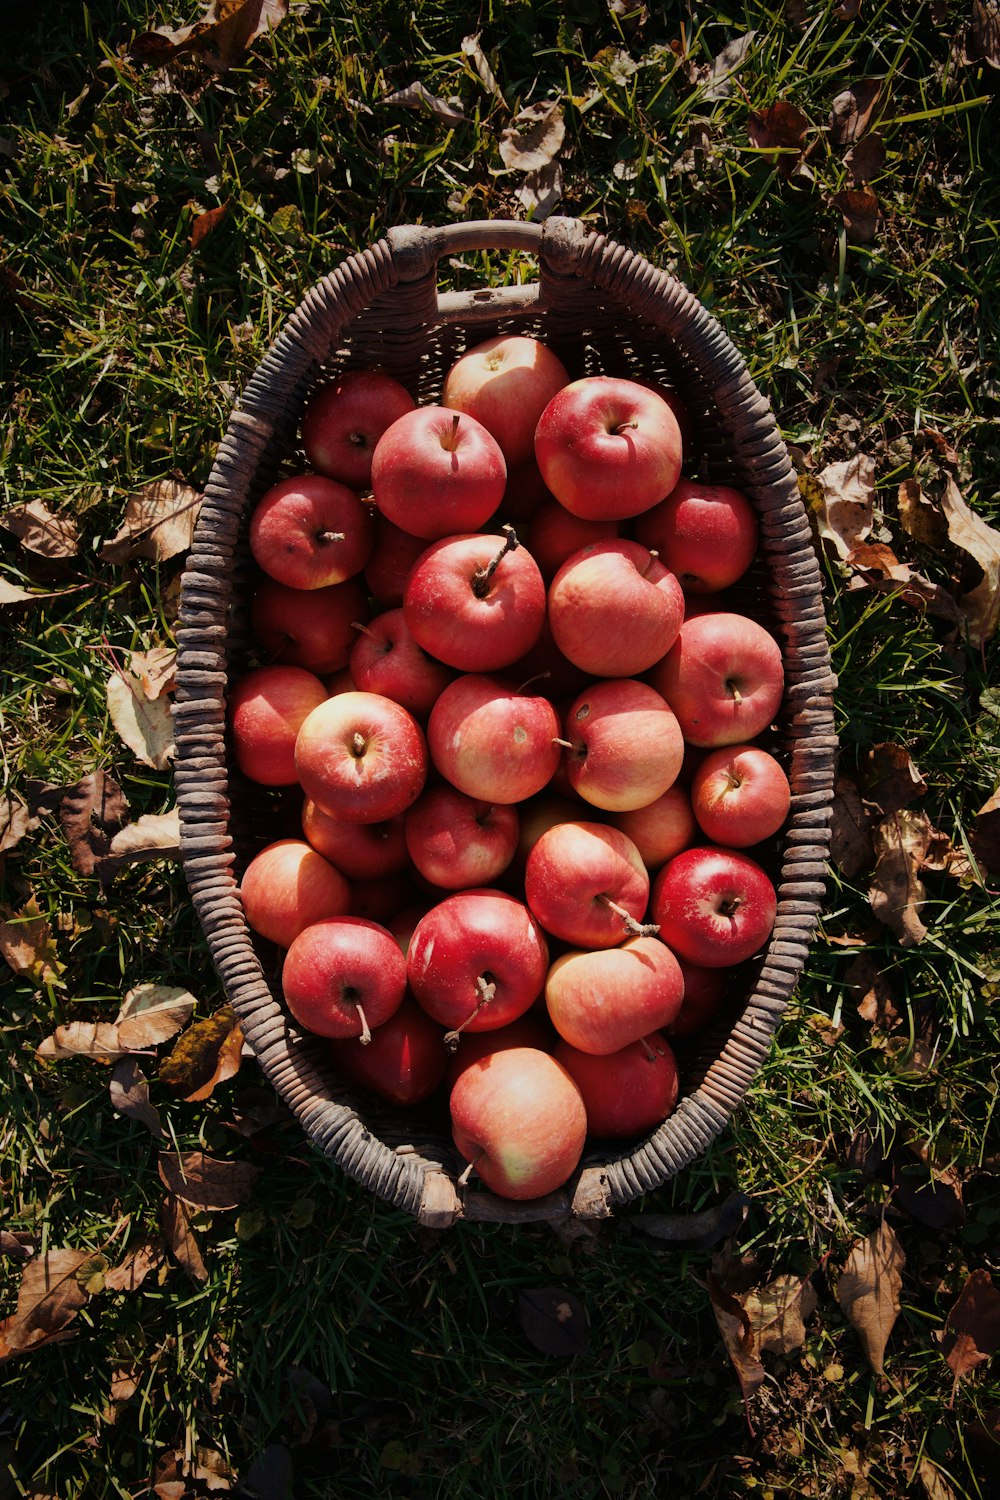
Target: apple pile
(525,743)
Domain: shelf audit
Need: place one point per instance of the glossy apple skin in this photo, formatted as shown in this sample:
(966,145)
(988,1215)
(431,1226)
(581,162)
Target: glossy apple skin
(311,628)
(723,677)
(614,609)
(599,1001)
(386,659)
(469,941)
(437,472)
(740,796)
(506,383)
(405,1061)
(267,708)
(287,887)
(627,1092)
(627,746)
(491,742)
(361,757)
(457,841)
(705,533)
(344,420)
(714,907)
(554,534)
(393,555)
(520,1118)
(361,851)
(309,532)
(661,829)
(705,993)
(339,968)
(608,448)
(571,867)
(466,621)
(529,1030)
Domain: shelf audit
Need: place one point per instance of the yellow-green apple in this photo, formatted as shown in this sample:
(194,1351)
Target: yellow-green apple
(492,741)
(310,531)
(624,744)
(361,757)
(344,420)
(614,609)
(405,1060)
(626,1092)
(529,1030)
(587,885)
(740,796)
(554,534)
(476,961)
(343,977)
(608,448)
(437,472)
(705,533)
(393,554)
(311,628)
(287,887)
(456,841)
(705,993)
(267,708)
(361,851)
(601,1000)
(661,829)
(723,678)
(475,602)
(519,1120)
(714,907)
(387,660)
(506,383)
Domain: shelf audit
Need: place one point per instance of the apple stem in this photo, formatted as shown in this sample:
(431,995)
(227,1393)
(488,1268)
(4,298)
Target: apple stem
(637,929)
(483,577)
(463,1180)
(487,991)
(651,1055)
(357,625)
(566,744)
(330,536)
(737,695)
(358,743)
(450,439)
(537,678)
(624,426)
(366,1034)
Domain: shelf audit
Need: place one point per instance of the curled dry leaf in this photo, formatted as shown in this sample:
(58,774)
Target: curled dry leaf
(182,1242)
(418,96)
(49,1298)
(971,1333)
(737,1335)
(875,565)
(729,61)
(868,1290)
(16,1244)
(868,984)
(129,1090)
(534,137)
(920,517)
(969,531)
(935,1486)
(851,847)
(777,1313)
(780,132)
(156,669)
(144,724)
(474,52)
(206,1182)
(697,1231)
(13,593)
(39,531)
(896,893)
(851,112)
(841,497)
(208,1053)
(890,779)
(985,838)
(27,945)
(130,1273)
(206,221)
(539,192)
(221,37)
(153,1013)
(15,820)
(159,523)
(986,31)
(859,209)
(91,812)
(98,1040)
(153,836)
(866,158)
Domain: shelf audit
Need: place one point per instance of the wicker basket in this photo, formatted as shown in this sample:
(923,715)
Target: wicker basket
(602,309)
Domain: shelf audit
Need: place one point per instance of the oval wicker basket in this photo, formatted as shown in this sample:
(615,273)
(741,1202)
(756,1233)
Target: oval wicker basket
(603,309)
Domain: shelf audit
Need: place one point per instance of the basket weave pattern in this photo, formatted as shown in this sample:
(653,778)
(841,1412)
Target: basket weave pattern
(603,309)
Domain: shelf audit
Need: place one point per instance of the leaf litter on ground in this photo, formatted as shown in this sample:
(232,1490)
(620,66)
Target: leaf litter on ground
(158,524)
(868,1290)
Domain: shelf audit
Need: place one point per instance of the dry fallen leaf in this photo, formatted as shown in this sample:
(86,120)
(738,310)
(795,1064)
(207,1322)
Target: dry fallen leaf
(737,1335)
(153,836)
(876,1003)
(206,221)
(851,847)
(777,1313)
(780,132)
(13,593)
(971,1333)
(90,813)
(175,1223)
(878,567)
(985,837)
(866,158)
(986,30)
(474,52)
(896,894)
(919,516)
(539,192)
(145,724)
(39,531)
(221,36)
(16,1244)
(49,1298)
(868,1290)
(159,523)
(841,497)
(129,1091)
(156,669)
(418,96)
(207,1053)
(859,210)
(936,1487)
(929,1192)
(206,1182)
(729,60)
(27,945)
(969,531)
(133,1270)
(554,1321)
(889,779)
(153,1013)
(851,111)
(95,1039)
(15,820)
(533,137)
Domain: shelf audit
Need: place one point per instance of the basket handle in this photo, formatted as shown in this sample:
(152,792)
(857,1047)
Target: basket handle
(416,248)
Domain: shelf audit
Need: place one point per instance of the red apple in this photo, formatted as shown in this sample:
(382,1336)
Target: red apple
(554,534)
(661,829)
(519,1120)
(627,1092)
(705,533)
(506,383)
(311,628)
(625,745)
(586,884)
(310,532)
(267,707)
(387,660)
(405,1060)
(361,757)
(740,796)
(529,1030)
(344,420)
(477,960)
(343,977)
(614,609)
(455,840)
(608,448)
(705,992)
(393,554)
(475,602)
(600,1001)
(437,472)
(714,907)
(491,741)
(361,851)
(287,887)
(723,678)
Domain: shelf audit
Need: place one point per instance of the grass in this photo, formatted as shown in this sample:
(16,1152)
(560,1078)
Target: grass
(332,1335)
